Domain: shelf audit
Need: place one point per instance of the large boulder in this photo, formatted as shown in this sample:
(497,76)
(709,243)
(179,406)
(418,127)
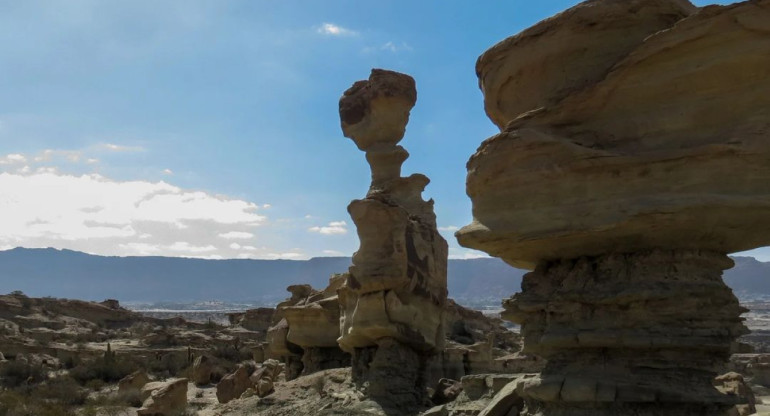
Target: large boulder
(234,384)
(133,382)
(168,398)
(202,368)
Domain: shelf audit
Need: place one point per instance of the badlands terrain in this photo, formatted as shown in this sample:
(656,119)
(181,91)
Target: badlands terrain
(631,159)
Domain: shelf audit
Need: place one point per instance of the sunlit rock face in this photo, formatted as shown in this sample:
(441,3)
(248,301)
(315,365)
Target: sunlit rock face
(625,125)
(395,293)
(634,154)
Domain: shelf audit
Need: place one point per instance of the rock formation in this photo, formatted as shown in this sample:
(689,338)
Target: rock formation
(167,398)
(633,156)
(394,295)
(305,337)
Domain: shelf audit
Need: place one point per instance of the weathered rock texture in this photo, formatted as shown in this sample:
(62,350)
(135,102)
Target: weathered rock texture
(305,337)
(168,398)
(394,296)
(634,154)
(626,124)
(314,325)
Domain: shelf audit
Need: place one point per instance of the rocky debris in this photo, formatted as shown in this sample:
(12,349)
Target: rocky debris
(446,391)
(265,377)
(314,325)
(624,184)
(234,384)
(168,398)
(259,319)
(733,384)
(468,326)
(133,382)
(495,394)
(394,296)
(202,369)
(507,401)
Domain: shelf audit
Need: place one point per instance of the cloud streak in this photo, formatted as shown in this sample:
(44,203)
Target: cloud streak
(333,228)
(330,29)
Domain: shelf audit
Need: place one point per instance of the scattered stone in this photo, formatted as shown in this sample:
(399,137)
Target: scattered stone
(234,384)
(133,382)
(446,390)
(203,367)
(168,399)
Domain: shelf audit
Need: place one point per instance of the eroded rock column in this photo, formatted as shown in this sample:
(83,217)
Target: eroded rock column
(394,297)
(633,156)
(640,334)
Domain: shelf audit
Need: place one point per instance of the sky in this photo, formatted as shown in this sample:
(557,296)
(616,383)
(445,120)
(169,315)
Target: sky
(209,128)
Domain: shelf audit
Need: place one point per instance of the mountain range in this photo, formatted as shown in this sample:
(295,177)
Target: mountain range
(72,274)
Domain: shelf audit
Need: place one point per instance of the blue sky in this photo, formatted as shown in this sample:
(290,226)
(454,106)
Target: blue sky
(210,128)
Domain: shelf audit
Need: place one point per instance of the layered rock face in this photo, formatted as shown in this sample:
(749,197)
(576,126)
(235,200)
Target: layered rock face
(395,292)
(307,328)
(314,325)
(634,154)
(626,124)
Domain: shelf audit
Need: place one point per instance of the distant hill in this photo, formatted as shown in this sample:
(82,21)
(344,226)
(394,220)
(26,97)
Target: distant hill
(71,274)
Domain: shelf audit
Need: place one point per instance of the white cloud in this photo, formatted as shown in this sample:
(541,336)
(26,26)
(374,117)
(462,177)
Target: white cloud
(94,214)
(236,235)
(185,247)
(334,253)
(449,228)
(464,253)
(291,255)
(120,148)
(334,227)
(48,155)
(266,206)
(235,246)
(12,158)
(168,172)
(389,46)
(334,30)
(393,47)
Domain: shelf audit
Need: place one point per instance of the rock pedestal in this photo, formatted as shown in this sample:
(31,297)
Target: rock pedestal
(628,333)
(395,293)
(634,155)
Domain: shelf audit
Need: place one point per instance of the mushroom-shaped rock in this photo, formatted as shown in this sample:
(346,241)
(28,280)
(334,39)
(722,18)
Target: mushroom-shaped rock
(634,155)
(394,294)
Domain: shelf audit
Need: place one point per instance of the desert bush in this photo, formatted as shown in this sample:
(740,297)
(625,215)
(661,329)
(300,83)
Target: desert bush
(107,369)
(16,373)
(55,397)
(168,365)
(63,390)
(231,354)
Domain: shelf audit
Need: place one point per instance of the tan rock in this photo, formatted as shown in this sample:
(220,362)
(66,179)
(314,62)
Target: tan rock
(633,150)
(168,399)
(264,377)
(234,384)
(733,384)
(394,295)
(633,157)
(202,368)
(134,381)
